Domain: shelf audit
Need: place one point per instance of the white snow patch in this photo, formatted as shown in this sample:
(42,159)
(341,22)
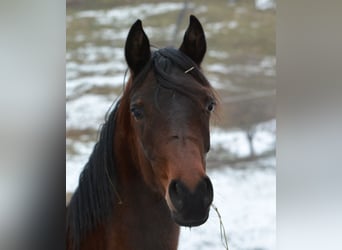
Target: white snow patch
(82,84)
(265,137)
(235,141)
(75,163)
(266,66)
(219,26)
(232,24)
(217,83)
(218,54)
(215,27)
(98,68)
(246,200)
(95,81)
(265,4)
(90,53)
(87,111)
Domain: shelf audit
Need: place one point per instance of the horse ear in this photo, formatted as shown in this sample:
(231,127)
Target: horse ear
(137,48)
(194,44)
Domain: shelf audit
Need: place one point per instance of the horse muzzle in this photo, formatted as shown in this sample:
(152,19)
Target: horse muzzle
(191,208)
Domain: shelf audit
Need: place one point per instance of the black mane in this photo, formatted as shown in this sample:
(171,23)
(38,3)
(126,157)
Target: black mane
(92,203)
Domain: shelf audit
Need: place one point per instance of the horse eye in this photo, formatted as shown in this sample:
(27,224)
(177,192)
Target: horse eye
(211,106)
(137,113)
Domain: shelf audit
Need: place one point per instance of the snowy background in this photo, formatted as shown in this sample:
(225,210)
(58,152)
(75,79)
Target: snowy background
(242,69)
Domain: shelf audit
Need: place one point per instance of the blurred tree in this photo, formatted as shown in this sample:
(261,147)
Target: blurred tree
(247,112)
(180,18)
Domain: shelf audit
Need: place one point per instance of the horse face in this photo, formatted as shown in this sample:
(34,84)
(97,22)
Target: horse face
(173,138)
(172,129)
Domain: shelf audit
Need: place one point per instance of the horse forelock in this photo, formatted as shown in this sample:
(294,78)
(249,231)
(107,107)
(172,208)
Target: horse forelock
(162,63)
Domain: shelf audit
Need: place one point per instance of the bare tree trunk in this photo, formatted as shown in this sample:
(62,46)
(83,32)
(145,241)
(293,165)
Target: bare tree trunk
(179,20)
(250,132)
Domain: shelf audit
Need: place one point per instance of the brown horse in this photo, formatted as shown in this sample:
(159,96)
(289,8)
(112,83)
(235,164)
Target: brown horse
(147,173)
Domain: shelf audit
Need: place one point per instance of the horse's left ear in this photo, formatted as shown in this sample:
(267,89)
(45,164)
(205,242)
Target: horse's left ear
(137,48)
(194,44)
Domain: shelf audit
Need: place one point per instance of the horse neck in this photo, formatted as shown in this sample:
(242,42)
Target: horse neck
(142,220)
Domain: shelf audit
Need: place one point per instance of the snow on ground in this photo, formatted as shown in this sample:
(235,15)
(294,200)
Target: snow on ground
(235,142)
(265,4)
(266,66)
(87,111)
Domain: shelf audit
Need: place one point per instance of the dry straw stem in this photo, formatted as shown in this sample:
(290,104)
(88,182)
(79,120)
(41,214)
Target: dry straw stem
(223,235)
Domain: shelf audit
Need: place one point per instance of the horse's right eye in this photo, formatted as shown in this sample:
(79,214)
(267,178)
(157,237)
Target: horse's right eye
(211,106)
(137,113)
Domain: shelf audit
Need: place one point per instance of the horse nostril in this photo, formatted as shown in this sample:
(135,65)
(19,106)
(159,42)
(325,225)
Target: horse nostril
(182,198)
(209,193)
(178,188)
(175,137)
(176,192)
(208,184)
